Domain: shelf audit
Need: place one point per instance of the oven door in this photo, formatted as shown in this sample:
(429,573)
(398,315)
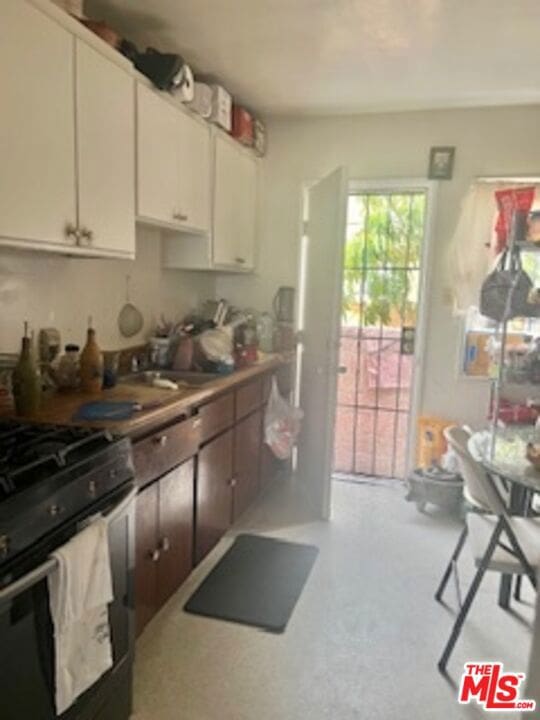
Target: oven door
(26,632)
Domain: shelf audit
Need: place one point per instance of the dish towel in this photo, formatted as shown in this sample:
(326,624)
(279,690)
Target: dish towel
(80,589)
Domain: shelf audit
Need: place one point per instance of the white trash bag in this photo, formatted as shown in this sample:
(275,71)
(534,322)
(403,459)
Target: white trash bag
(281,424)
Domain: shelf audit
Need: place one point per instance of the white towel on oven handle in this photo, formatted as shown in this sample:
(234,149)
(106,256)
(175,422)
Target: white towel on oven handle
(80,589)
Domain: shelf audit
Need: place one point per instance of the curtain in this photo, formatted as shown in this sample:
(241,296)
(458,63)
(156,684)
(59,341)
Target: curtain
(470,254)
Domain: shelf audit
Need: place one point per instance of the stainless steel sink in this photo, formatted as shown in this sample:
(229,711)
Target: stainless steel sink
(182,377)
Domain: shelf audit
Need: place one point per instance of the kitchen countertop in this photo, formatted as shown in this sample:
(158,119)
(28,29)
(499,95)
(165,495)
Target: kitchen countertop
(60,408)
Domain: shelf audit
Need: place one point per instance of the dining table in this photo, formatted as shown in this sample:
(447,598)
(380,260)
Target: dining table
(504,458)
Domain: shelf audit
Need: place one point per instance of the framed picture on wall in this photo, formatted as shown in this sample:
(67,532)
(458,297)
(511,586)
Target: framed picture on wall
(441,163)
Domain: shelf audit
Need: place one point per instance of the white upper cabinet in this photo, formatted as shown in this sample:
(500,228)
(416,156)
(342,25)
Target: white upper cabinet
(67,137)
(157,162)
(173,171)
(231,244)
(194,173)
(105,153)
(235,205)
(37,132)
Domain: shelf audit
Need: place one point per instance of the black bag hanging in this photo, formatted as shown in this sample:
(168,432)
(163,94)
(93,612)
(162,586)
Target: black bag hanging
(506,290)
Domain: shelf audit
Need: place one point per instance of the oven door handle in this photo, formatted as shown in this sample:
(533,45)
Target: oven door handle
(46,568)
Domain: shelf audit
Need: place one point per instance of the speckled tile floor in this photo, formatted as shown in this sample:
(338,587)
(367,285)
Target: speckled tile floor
(363,640)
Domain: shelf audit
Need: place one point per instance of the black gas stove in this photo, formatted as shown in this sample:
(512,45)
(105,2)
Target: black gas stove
(53,481)
(49,474)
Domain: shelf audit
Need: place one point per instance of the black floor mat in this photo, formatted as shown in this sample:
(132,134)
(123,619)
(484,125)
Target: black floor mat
(257,582)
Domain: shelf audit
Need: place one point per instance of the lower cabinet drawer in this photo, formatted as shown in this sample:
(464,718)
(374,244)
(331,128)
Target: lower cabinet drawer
(249,397)
(155,455)
(216,416)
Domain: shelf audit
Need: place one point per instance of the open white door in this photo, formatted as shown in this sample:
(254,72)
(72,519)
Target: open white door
(319,325)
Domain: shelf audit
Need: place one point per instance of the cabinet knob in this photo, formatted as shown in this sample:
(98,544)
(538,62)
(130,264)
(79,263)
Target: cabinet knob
(165,544)
(182,217)
(154,555)
(4,545)
(232,482)
(240,260)
(72,231)
(160,440)
(197,423)
(87,235)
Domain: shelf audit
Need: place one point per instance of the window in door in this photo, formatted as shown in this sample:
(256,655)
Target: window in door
(381,283)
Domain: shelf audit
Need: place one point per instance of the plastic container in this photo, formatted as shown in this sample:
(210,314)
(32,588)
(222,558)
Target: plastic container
(221,107)
(202,100)
(431,443)
(242,125)
(435,486)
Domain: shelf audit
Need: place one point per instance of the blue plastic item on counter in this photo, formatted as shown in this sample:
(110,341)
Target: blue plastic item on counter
(107,410)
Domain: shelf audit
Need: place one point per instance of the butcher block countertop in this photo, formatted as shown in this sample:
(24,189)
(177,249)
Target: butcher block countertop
(166,405)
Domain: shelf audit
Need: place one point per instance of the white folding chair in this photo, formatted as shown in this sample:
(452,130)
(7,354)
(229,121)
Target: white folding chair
(505,544)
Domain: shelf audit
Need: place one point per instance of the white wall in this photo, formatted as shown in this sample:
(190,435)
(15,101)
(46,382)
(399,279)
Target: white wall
(56,291)
(489,142)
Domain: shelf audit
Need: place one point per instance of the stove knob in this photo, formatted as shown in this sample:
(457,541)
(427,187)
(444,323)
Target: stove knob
(4,545)
(55,510)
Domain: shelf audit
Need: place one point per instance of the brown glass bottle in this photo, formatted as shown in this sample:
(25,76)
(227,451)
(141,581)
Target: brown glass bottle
(26,381)
(91,365)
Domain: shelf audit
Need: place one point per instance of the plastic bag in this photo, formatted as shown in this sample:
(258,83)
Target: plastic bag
(281,424)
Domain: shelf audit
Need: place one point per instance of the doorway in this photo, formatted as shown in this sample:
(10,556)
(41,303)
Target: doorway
(378,354)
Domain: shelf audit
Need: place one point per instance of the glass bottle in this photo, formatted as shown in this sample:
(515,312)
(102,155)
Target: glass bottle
(91,364)
(26,379)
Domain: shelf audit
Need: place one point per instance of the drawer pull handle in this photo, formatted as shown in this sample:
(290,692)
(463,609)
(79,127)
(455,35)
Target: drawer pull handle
(160,440)
(154,555)
(165,544)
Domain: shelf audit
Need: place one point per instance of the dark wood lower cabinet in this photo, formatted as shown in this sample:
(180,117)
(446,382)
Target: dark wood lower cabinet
(164,540)
(247,454)
(176,500)
(146,528)
(182,515)
(214,492)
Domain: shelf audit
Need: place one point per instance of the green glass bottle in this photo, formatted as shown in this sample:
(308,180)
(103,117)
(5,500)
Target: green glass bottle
(26,379)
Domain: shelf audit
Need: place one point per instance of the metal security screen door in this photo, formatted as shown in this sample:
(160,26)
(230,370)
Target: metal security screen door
(381,286)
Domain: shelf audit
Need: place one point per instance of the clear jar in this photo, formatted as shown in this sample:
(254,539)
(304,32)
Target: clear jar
(265,332)
(67,372)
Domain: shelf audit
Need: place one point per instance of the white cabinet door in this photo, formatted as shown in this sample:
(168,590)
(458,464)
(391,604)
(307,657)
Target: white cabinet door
(194,173)
(247,214)
(235,194)
(157,158)
(37,142)
(105,153)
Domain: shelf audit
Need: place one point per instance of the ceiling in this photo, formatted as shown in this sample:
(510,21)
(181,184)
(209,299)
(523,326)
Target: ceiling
(297,57)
